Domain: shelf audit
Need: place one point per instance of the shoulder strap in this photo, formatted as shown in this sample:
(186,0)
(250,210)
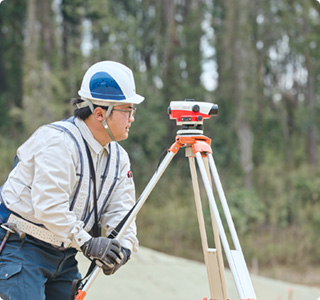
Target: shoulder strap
(84,184)
(96,230)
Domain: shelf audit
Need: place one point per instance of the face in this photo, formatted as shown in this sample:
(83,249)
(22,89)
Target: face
(120,121)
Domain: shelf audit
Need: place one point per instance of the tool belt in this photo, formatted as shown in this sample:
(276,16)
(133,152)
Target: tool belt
(27,227)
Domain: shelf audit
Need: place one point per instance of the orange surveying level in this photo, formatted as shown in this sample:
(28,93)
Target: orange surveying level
(190,115)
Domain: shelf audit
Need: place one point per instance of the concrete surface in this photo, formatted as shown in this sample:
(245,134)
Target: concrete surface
(157,276)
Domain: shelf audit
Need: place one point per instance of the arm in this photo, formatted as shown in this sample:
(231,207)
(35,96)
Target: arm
(48,171)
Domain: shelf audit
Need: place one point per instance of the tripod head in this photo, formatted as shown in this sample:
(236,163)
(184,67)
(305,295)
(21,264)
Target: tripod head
(190,114)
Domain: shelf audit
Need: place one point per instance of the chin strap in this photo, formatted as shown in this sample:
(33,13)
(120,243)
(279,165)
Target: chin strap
(104,122)
(108,130)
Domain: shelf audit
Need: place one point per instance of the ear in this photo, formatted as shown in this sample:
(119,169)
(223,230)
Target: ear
(99,114)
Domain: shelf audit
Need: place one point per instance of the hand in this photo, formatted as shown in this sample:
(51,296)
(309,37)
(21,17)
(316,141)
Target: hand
(126,256)
(108,251)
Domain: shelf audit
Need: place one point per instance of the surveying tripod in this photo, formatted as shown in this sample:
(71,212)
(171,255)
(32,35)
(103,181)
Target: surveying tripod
(198,148)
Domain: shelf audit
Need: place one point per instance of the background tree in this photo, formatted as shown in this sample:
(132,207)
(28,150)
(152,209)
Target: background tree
(264,63)
(12,17)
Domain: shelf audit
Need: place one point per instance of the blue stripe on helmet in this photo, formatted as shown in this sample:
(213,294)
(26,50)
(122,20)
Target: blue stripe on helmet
(104,86)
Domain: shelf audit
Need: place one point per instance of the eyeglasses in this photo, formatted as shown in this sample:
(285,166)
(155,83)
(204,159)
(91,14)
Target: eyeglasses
(131,112)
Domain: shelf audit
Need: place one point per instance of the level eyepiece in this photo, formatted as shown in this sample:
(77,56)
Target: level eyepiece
(214,110)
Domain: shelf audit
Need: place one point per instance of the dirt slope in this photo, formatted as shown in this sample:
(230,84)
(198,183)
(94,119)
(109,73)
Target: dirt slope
(157,276)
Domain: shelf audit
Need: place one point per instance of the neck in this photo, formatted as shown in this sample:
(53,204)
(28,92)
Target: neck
(98,131)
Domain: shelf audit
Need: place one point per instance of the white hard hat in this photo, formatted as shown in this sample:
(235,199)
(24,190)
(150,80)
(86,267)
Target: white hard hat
(109,83)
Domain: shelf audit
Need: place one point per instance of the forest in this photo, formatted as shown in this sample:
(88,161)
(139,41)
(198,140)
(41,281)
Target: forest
(258,60)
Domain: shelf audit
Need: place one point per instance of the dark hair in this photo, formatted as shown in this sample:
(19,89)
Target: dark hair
(84,112)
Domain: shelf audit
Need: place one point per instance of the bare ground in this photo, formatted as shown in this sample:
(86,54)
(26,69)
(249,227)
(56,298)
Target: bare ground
(157,276)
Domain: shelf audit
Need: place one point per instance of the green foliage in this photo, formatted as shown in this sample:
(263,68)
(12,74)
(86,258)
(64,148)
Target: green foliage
(12,16)
(168,220)
(8,149)
(268,63)
(246,209)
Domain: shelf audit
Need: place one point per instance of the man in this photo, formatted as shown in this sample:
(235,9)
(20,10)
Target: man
(67,177)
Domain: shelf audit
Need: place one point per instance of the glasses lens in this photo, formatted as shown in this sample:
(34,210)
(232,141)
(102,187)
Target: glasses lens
(132,112)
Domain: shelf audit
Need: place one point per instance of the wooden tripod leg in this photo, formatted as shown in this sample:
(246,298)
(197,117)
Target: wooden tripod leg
(212,257)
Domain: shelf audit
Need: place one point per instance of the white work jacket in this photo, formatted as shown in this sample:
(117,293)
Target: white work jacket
(40,188)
